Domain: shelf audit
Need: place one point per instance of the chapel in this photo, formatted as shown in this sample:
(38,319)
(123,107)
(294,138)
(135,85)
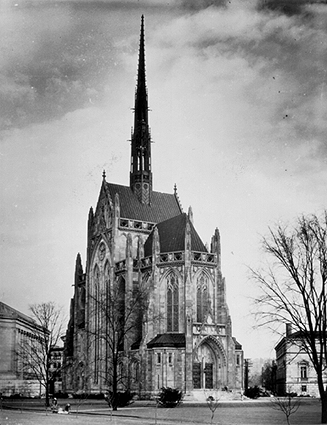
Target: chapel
(149,309)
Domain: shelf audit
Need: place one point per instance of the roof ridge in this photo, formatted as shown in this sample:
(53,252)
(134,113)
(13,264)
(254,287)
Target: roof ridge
(9,310)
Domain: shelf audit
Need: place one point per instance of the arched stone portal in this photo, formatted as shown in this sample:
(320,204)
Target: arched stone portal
(209,365)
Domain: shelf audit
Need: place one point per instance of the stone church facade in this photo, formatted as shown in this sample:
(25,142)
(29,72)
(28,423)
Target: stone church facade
(141,238)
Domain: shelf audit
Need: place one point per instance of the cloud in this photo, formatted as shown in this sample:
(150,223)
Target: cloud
(56,61)
(288,7)
(238,119)
(267,68)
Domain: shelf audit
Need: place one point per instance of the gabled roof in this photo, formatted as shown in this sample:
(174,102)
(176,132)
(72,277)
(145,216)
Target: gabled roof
(163,205)
(238,346)
(168,340)
(172,236)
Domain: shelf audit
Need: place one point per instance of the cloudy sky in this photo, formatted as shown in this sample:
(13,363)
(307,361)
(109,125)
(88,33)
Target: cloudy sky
(237,92)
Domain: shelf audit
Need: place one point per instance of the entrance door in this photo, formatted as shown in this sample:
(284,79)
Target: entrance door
(204,368)
(208,370)
(196,375)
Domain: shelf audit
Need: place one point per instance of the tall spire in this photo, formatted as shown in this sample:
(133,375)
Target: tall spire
(141,175)
(141,97)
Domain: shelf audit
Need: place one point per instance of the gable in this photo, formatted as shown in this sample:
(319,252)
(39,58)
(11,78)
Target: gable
(172,236)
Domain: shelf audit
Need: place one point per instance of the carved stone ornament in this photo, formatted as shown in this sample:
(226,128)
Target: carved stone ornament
(102,251)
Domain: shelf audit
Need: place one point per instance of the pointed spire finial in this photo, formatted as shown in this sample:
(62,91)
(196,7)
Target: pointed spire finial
(141,174)
(177,198)
(190,214)
(104,175)
(141,100)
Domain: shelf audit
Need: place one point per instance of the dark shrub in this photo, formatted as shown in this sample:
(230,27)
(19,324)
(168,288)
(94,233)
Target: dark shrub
(123,398)
(83,396)
(252,392)
(169,397)
(16,396)
(291,394)
(60,394)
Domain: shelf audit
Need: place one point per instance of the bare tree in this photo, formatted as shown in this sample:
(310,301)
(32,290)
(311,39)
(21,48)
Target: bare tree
(293,289)
(288,405)
(213,403)
(34,353)
(115,323)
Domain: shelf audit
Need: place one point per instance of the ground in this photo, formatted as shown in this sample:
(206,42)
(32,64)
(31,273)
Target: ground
(97,412)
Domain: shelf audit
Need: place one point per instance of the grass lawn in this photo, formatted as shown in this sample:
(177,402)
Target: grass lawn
(227,413)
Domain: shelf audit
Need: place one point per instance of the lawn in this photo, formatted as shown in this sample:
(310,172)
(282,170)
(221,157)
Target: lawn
(227,413)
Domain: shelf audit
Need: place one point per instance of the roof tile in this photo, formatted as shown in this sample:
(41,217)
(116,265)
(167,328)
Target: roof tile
(172,236)
(175,340)
(163,205)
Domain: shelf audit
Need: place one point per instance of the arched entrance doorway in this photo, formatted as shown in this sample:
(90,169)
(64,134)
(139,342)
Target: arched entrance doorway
(209,365)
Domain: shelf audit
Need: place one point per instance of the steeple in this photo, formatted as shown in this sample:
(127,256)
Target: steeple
(141,175)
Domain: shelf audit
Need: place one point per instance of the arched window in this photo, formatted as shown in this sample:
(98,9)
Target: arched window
(107,286)
(172,303)
(121,371)
(96,289)
(303,368)
(118,308)
(202,298)
(135,371)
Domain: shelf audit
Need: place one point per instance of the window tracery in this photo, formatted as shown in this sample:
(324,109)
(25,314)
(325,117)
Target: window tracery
(172,303)
(202,298)
(96,284)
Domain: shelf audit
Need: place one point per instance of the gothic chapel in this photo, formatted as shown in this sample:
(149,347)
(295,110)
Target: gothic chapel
(140,238)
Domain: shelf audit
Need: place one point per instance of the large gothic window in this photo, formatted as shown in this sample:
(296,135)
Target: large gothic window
(202,298)
(107,286)
(119,310)
(172,303)
(96,289)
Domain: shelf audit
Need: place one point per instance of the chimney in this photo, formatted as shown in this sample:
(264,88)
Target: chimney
(289,330)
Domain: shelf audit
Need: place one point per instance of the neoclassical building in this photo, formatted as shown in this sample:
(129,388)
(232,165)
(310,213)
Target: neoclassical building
(140,238)
(18,332)
(295,372)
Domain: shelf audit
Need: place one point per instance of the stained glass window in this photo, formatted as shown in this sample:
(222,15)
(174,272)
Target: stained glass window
(172,303)
(96,323)
(202,298)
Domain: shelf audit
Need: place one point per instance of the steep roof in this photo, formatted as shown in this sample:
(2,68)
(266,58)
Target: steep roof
(167,340)
(238,346)
(163,205)
(172,236)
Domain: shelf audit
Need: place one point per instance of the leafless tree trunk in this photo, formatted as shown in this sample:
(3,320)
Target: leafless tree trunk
(213,399)
(115,323)
(293,288)
(34,353)
(288,405)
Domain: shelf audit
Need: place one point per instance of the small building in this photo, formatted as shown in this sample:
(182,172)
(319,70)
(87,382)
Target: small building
(55,369)
(17,330)
(295,372)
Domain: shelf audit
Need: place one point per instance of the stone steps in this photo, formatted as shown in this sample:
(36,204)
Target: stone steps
(201,396)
